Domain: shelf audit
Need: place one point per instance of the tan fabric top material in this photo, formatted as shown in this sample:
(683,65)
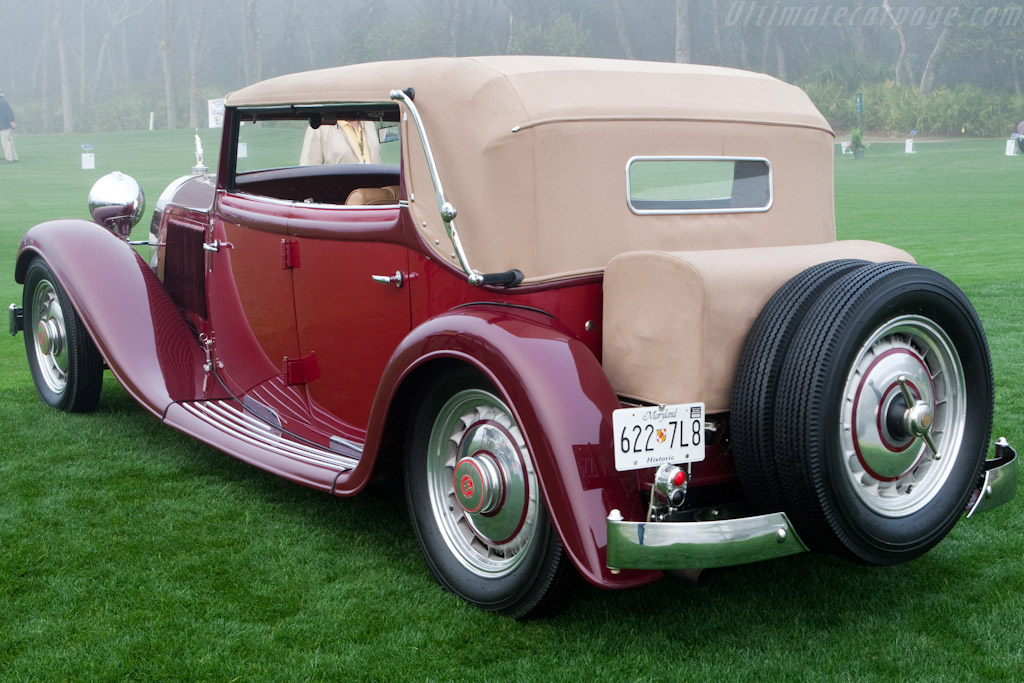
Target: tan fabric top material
(675,322)
(506,130)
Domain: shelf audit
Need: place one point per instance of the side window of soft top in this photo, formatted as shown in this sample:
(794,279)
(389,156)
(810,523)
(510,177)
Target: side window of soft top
(330,155)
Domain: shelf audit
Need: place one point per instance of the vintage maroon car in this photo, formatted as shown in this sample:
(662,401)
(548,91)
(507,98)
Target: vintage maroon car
(642,349)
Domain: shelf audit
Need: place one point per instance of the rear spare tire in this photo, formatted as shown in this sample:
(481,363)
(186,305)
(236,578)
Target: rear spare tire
(858,475)
(752,411)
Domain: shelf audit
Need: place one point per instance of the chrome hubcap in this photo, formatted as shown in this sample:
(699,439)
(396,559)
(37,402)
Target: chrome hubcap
(904,407)
(482,484)
(51,336)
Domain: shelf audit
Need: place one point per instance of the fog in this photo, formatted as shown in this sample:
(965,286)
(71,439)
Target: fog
(104,64)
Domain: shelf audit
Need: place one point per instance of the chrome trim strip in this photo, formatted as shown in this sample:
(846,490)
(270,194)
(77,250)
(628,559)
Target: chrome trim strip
(233,422)
(699,545)
(1000,484)
(654,212)
(338,443)
(448,212)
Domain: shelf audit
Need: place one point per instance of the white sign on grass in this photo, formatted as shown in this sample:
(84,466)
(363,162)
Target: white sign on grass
(216,112)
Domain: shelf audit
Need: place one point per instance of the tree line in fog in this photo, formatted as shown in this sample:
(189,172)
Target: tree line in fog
(102,63)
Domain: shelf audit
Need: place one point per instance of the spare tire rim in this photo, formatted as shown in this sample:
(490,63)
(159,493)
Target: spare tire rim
(482,484)
(51,342)
(884,457)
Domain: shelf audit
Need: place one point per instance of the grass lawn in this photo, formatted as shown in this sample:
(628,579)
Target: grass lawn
(128,550)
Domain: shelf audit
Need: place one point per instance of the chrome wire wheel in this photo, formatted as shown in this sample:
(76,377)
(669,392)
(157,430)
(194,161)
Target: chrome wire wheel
(482,485)
(51,340)
(887,441)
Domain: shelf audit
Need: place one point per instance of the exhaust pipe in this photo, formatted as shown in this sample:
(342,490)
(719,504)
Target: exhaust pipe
(698,578)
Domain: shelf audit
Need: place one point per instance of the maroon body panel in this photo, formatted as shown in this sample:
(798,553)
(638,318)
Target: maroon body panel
(561,399)
(136,326)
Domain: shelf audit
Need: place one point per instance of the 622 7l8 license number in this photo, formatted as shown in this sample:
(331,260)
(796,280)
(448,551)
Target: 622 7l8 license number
(656,435)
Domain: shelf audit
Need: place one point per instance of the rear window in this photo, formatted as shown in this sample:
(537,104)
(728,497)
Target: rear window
(658,185)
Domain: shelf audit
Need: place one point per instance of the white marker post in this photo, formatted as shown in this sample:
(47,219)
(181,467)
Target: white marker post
(910,146)
(151,120)
(1011,148)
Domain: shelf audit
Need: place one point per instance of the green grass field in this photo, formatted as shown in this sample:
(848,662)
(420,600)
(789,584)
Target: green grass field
(129,551)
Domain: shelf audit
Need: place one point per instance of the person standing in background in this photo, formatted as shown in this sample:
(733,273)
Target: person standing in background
(347,142)
(6,124)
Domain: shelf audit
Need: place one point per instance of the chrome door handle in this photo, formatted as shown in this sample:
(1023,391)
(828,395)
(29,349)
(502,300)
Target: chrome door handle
(398,279)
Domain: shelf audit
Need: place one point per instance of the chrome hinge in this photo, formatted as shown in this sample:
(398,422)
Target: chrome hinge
(290,254)
(212,363)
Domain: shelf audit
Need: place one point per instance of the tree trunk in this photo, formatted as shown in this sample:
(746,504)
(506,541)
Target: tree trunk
(780,55)
(167,59)
(716,32)
(931,68)
(744,51)
(65,75)
(620,28)
(769,39)
(511,42)
(1016,74)
(456,20)
(44,70)
(901,60)
(81,59)
(251,43)
(683,31)
(195,53)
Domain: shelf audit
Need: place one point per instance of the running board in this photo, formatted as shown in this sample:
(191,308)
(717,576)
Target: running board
(227,427)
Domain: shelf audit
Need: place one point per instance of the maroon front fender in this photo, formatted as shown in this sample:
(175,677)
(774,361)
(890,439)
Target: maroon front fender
(561,399)
(128,313)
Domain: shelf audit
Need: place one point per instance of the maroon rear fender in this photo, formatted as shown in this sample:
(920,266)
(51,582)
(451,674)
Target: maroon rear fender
(128,313)
(562,401)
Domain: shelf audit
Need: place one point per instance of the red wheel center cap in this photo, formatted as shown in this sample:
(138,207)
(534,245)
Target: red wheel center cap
(467,486)
(478,483)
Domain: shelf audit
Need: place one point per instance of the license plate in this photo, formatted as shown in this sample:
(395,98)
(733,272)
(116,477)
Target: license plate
(657,435)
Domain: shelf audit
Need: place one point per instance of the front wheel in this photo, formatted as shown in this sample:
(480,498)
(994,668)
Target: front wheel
(66,367)
(475,501)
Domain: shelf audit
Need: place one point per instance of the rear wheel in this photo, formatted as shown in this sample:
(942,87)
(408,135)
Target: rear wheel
(475,501)
(66,367)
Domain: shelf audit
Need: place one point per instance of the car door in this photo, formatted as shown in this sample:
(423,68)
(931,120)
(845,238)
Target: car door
(251,302)
(349,322)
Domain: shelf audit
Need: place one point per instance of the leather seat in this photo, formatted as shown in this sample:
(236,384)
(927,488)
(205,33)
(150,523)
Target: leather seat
(372,196)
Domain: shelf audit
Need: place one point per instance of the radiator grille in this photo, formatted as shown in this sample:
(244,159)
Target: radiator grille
(185,262)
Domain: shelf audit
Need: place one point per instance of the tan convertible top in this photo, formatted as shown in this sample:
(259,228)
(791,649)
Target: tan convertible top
(533,152)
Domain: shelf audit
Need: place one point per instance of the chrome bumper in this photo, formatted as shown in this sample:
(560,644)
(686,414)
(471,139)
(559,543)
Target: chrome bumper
(699,545)
(726,542)
(1000,482)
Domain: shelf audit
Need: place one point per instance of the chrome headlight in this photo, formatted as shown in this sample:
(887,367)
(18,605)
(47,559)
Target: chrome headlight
(116,202)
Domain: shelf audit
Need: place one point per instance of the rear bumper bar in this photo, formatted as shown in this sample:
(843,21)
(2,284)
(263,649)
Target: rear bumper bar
(726,542)
(699,545)
(999,484)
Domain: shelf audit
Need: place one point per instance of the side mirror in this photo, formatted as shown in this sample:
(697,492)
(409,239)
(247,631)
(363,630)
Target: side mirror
(116,202)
